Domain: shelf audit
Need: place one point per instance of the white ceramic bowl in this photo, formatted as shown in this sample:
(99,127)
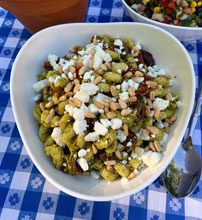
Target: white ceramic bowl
(168,53)
(182,33)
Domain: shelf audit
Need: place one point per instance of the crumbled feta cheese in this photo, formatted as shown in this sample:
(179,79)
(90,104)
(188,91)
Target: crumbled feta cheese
(88,150)
(124,96)
(152,74)
(151,158)
(94,175)
(125,154)
(80,126)
(85,59)
(119,70)
(82,153)
(140,65)
(100,128)
(38,86)
(129,144)
(64,76)
(164,139)
(89,89)
(161,72)
(120,135)
(159,124)
(70,75)
(160,103)
(124,180)
(92,108)
(93,136)
(116,123)
(67,65)
(51,79)
(52,60)
(179,104)
(105,122)
(143,134)
(124,86)
(124,162)
(138,46)
(133,84)
(118,42)
(57,136)
(133,154)
(153,135)
(69,109)
(92,78)
(118,86)
(87,75)
(151,113)
(83,163)
(37,97)
(62,62)
(100,98)
(78,114)
(83,97)
(129,158)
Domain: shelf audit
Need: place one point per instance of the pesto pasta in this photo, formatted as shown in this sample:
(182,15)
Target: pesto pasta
(104,110)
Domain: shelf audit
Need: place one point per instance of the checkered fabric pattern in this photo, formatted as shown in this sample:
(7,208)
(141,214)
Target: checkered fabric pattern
(24,192)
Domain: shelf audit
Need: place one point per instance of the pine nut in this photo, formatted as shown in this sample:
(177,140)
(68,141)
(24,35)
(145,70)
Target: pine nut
(110,115)
(138,151)
(131,91)
(75,102)
(94,148)
(103,67)
(82,70)
(69,94)
(128,75)
(42,106)
(131,99)
(151,84)
(113,106)
(97,80)
(147,112)
(49,104)
(72,69)
(152,95)
(151,146)
(48,119)
(118,155)
(126,112)
(110,162)
(131,176)
(89,115)
(139,73)
(157,112)
(113,90)
(79,64)
(157,146)
(122,103)
(68,87)
(76,88)
(152,129)
(125,130)
(62,98)
(99,105)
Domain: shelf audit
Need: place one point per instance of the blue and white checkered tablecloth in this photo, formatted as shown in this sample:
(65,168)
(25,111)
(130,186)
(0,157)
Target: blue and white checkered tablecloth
(24,192)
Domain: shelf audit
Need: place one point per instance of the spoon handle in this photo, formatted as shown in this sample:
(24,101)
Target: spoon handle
(196,114)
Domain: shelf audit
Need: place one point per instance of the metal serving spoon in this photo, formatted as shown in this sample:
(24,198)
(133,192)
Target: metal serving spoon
(183,174)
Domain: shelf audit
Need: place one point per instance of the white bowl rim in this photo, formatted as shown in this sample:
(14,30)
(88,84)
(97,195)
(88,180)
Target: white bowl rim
(24,139)
(161,23)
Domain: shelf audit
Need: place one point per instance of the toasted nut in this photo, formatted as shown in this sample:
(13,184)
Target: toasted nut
(110,162)
(152,95)
(99,105)
(75,102)
(97,80)
(128,75)
(131,176)
(42,106)
(125,130)
(118,155)
(122,103)
(101,72)
(48,119)
(139,73)
(94,40)
(135,53)
(69,94)
(147,111)
(138,151)
(76,88)
(94,148)
(151,146)
(62,98)
(75,49)
(49,104)
(106,109)
(59,69)
(131,99)
(145,134)
(106,105)
(113,106)
(72,69)
(110,115)
(149,103)
(57,123)
(68,87)
(152,129)
(157,112)
(147,148)
(91,63)
(125,112)
(79,64)
(151,84)
(110,168)
(113,90)
(89,115)
(108,65)
(76,81)
(173,118)
(169,96)
(103,67)
(157,146)
(131,91)
(159,86)
(82,70)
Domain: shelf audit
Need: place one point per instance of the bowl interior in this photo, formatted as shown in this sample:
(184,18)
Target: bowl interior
(168,53)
